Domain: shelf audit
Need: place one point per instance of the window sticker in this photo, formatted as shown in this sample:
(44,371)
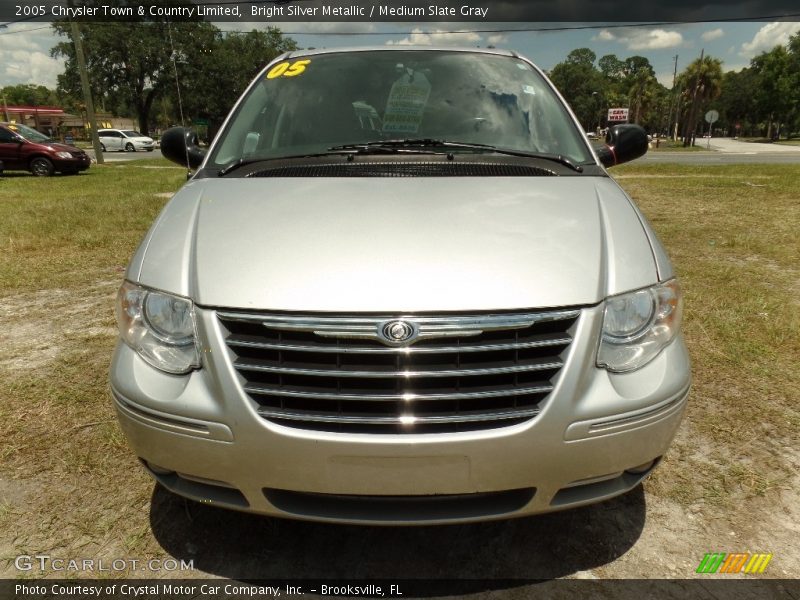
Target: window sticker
(286,69)
(406,104)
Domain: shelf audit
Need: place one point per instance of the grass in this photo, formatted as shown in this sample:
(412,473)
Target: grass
(64,242)
(732,235)
(765,140)
(675,146)
(61,231)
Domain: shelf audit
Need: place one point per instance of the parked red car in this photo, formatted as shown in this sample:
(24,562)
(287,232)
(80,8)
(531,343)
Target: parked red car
(24,148)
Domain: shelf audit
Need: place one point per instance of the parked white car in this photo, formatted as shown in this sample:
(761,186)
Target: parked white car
(124,140)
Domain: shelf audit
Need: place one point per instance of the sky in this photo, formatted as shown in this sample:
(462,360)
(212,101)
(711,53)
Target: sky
(25,47)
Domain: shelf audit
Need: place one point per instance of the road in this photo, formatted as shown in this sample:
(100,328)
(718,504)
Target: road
(728,151)
(125,156)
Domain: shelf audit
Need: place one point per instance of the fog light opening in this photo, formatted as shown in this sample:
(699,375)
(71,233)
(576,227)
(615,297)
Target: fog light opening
(155,469)
(644,467)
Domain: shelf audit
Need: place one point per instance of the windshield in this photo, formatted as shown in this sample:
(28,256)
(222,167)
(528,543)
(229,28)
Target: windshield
(28,133)
(130,133)
(308,105)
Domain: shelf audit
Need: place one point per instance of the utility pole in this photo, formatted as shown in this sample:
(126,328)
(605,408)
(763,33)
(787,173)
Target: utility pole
(691,124)
(673,103)
(87,92)
(5,108)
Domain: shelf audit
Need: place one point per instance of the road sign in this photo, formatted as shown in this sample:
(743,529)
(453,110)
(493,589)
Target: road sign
(712,116)
(617,115)
(200,122)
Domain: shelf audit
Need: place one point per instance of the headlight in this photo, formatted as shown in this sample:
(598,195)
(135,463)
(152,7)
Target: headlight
(638,325)
(159,326)
(63,155)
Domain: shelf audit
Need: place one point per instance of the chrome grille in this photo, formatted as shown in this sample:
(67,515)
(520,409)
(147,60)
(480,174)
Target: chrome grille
(339,374)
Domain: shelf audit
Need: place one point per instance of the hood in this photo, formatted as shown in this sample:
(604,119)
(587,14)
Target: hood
(57,147)
(397,244)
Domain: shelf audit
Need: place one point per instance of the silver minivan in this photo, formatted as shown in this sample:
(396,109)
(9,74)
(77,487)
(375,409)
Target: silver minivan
(400,288)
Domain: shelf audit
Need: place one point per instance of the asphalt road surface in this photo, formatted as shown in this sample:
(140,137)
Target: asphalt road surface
(126,156)
(728,151)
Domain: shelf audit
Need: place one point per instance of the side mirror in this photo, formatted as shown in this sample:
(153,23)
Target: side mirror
(623,143)
(180,145)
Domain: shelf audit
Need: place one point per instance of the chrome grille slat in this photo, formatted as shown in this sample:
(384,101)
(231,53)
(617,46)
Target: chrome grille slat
(267,391)
(454,373)
(559,341)
(345,326)
(399,420)
(393,374)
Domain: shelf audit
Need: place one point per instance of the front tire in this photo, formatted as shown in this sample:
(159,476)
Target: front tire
(102,147)
(129,147)
(41,167)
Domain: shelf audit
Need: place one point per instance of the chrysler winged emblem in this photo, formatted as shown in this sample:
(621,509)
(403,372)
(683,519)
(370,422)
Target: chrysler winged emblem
(397,332)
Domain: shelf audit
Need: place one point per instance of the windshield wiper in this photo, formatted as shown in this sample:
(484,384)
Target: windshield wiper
(389,147)
(410,144)
(347,150)
(241,162)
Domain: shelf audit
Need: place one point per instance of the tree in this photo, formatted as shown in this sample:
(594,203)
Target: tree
(28,94)
(581,84)
(794,83)
(226,63)
(641,87)
(636,64)
(612,68)
(129,72)
(773,92)
(737,101)
(699,83)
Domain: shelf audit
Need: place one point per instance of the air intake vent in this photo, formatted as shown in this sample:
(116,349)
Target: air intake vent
(404,169)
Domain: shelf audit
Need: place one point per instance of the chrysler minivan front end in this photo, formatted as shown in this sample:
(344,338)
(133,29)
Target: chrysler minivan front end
(400,288)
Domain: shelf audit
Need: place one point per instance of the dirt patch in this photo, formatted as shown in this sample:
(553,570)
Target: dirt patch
(34,327)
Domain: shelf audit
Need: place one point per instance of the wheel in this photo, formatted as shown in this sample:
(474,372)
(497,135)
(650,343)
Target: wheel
(129,147)
(41,167)
(102,147)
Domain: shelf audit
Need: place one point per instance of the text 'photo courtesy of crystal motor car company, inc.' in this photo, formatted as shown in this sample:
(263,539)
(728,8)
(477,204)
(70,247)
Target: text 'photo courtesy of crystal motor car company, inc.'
(400,288)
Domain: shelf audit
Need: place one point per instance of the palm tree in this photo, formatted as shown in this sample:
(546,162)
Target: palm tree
(643,87)
(700,83)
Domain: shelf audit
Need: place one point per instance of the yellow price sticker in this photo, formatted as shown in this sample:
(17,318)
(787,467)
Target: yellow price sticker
(286,69)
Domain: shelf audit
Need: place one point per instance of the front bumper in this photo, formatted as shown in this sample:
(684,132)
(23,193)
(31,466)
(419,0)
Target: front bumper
(73,164)
(597,436)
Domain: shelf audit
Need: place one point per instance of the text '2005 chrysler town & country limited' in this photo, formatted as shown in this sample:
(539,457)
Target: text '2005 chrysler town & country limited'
(400,288)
